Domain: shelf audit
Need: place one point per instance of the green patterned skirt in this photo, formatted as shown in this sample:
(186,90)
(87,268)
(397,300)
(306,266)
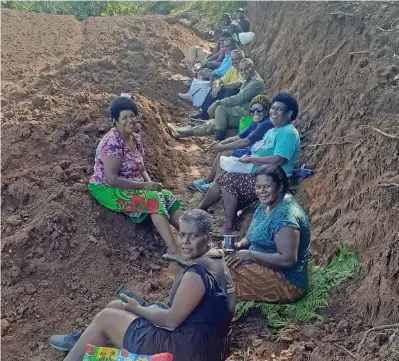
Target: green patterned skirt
(136,203)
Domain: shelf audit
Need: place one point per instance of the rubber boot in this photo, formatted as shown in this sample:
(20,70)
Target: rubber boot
(185,132)
(207,128)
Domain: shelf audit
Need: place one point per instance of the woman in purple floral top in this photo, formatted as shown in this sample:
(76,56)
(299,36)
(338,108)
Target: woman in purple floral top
(120,181)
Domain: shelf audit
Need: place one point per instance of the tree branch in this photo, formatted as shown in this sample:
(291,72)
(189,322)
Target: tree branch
(385,327)
(346,350)
(334,52)
(332,143)
(385,134)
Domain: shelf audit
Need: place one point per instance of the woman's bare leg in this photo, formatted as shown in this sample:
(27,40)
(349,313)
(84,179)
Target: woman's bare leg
(109,325)
(162,225)
(174,219)
(212,174)
(230,206)
(116,304)
(211,198)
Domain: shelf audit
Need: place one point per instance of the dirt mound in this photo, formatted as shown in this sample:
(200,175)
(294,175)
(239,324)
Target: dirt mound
(63,256)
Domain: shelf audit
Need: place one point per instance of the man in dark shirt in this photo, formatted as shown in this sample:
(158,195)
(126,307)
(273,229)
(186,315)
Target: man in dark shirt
(232,28)
(243,21)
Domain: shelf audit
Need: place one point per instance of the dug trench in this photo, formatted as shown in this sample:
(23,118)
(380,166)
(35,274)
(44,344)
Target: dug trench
(63,256)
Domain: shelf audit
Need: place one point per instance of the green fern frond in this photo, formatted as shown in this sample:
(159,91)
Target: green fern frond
(341,268)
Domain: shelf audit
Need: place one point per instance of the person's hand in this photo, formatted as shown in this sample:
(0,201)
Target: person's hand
(129,304)
(212,108)
(237,258)
(215,90)
(237,245)
(137,127)
(152,186)
(210,146)
(245,159)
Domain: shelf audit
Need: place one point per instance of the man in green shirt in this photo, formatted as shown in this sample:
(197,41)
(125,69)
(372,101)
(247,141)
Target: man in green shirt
(229,111)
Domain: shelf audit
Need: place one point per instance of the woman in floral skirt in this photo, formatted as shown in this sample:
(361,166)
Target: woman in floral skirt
(120,181)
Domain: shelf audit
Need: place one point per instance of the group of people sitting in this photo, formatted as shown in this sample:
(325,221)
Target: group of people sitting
(269,264)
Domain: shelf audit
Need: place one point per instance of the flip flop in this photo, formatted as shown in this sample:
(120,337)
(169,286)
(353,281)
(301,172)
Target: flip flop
(172,131)
(179,260)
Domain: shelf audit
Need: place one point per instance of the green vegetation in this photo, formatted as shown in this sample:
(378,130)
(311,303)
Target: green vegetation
(342,267)
(211,10)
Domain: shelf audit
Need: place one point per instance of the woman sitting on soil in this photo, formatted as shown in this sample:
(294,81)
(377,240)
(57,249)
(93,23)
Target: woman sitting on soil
(197,320)
(279,146)
(120,181)
(239,145)
(271,262)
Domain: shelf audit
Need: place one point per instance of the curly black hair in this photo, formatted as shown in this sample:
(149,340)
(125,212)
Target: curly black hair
(290,103)
(120,104)
(278,175)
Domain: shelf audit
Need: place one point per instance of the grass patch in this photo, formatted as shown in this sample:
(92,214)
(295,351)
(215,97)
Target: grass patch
(321,280)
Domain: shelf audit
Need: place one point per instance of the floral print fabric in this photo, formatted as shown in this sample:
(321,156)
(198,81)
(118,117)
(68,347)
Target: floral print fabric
(113,145)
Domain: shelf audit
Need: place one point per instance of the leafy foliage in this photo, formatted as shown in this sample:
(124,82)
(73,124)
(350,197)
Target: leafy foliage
(342,267)
(211,10)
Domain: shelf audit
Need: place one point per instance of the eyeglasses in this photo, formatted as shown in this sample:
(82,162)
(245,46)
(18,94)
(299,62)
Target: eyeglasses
(253,110)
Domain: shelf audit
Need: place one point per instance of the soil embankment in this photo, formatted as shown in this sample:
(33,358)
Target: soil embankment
(63,255)
(342,68)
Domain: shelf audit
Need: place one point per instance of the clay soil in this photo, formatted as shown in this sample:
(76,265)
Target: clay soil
(63,256)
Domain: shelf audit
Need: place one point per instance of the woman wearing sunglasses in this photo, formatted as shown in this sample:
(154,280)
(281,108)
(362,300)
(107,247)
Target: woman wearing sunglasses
(240,144)
(279,146)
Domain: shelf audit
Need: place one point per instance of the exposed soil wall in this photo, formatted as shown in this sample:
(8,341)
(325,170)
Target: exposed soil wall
(342,69)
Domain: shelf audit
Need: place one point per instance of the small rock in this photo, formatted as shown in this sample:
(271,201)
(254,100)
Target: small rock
(79,320)
(342,325)
(310,345)
(154,267)
(75,176)
(134,256)
(30,289)
(44,284)
(79,187)
(154,285)
(58,173)
(92,239)
(90,128)
(5,325)
(14,220)
(64,164)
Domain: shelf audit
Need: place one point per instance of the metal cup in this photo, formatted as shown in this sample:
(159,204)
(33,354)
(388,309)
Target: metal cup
(229,242)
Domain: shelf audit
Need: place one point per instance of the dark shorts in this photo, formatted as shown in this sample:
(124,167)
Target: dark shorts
(135,335)
(238,153)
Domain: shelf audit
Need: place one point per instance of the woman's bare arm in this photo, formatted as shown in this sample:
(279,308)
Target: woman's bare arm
(112,166)
(287,243)
(188,296)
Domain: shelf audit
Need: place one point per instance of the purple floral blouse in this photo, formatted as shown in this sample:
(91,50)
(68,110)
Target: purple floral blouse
(113,145)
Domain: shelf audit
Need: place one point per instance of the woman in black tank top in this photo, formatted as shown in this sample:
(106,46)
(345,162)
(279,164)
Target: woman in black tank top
(195,323)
